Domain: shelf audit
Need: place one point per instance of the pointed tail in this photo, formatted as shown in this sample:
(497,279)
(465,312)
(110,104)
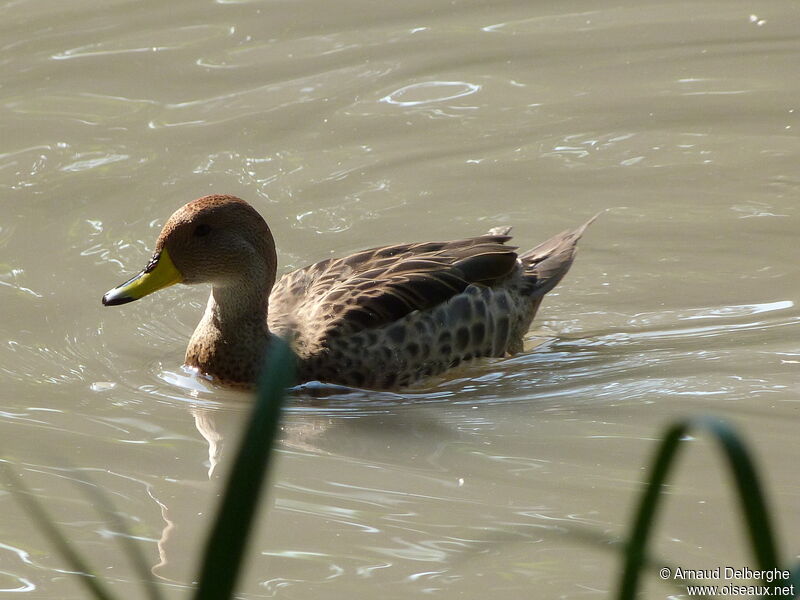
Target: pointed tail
(546,264)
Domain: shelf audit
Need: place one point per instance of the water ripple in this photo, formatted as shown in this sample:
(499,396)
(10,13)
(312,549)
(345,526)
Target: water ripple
(430,92)
(152,41)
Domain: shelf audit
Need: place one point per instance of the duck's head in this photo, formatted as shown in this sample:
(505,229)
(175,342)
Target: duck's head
(217,239)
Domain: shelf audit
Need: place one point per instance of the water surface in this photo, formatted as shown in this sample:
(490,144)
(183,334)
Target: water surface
(374,123)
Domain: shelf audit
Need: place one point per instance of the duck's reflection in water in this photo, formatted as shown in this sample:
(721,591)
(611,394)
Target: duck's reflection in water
(336,425)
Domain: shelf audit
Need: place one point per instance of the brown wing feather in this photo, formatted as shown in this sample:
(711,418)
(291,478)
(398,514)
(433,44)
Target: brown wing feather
(377,286)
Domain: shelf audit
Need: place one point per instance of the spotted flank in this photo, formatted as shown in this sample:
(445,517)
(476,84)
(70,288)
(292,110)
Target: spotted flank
(385,331)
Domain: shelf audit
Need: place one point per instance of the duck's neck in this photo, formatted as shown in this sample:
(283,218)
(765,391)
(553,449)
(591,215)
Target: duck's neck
(230,341)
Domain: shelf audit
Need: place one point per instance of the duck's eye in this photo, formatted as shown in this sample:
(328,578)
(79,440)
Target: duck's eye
(202,230)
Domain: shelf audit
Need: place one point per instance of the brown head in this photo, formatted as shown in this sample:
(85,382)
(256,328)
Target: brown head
(216,239)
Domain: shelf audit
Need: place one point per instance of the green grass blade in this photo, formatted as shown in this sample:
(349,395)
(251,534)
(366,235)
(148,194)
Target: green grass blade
(42,519)
(751,494)
(635,556)
(603,541)
(747,485)
(226,543)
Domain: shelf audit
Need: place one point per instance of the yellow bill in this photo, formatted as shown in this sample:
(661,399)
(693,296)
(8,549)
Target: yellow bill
(160,273)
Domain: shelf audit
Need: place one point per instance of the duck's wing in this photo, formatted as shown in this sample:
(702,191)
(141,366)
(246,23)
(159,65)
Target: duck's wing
(381,285)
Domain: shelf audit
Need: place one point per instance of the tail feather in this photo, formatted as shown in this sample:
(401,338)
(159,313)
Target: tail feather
(546,264)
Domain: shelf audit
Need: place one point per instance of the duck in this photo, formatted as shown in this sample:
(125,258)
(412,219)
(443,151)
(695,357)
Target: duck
(383,318)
